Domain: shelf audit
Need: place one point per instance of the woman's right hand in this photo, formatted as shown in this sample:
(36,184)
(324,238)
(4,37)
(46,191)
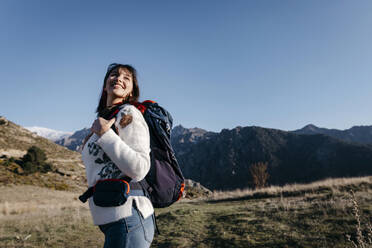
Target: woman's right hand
(101,125)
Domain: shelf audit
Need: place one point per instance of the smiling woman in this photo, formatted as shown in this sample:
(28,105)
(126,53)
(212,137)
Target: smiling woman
(117,152)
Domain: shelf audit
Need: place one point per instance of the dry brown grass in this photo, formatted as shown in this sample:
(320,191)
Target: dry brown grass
(315,215)
(33,216)
(331,184)
(33,200)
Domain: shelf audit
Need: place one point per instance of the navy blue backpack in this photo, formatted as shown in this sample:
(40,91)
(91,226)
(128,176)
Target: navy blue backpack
(164,183)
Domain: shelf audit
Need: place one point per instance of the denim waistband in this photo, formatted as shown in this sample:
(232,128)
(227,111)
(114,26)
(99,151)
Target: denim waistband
(136,192)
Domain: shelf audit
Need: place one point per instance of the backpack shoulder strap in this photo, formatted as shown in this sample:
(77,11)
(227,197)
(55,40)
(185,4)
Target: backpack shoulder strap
(142,106)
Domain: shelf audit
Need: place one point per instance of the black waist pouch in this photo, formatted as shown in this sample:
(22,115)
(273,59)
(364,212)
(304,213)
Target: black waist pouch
(110,192)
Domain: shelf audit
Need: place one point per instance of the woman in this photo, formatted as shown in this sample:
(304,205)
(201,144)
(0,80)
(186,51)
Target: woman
(120,146)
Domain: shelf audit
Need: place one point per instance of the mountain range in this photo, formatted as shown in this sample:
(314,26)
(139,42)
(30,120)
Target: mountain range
(221,160)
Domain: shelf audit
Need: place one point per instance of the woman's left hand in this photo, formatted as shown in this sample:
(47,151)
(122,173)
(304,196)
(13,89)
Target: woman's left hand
(101,126)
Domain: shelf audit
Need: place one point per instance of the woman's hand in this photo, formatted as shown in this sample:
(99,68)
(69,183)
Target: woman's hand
(101,126)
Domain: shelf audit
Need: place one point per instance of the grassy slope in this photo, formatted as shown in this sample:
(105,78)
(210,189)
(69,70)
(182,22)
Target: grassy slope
(15,140)
(317,215)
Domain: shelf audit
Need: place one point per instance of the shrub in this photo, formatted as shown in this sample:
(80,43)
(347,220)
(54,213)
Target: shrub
(29,167)
(259,174)
(34,155)
(363,238)
(35,161)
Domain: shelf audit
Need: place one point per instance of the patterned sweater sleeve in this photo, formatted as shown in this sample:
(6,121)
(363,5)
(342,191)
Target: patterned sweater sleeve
(130,150)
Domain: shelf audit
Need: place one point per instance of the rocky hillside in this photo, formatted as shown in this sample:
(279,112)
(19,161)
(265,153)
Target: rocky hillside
(15,140)
(222,160)
(356,134)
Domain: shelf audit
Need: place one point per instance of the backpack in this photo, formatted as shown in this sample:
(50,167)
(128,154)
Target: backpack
(164,184)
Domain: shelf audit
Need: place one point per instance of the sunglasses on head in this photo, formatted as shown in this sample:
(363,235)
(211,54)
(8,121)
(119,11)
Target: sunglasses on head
(112,66)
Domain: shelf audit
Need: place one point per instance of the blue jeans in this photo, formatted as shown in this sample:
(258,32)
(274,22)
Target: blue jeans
(130,232)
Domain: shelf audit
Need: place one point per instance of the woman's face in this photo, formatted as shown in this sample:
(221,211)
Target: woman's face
(119,84)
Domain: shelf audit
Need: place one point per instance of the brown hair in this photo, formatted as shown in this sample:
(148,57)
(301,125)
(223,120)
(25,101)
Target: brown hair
(135,92)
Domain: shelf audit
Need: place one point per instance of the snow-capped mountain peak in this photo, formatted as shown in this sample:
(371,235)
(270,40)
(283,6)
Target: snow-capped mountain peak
(50,134)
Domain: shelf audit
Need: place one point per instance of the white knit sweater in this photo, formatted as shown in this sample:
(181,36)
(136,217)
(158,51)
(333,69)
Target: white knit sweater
(112,156)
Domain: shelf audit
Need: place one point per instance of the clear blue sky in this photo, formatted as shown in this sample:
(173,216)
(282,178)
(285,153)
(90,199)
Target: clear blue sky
(212,64)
